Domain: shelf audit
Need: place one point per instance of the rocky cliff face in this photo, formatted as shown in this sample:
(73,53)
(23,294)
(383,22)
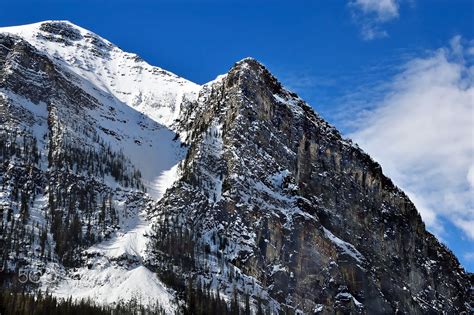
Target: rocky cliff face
(299,216)
(245,190)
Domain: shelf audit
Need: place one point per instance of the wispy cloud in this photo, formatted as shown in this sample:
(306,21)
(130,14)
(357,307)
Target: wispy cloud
(372,14)
(330,91)
(422,133)
(384,10)
(469,256)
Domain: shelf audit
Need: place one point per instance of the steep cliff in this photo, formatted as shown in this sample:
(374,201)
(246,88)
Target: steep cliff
(280,207)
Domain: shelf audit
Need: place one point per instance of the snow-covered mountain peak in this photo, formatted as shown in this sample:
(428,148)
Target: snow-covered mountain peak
(60,33)
(151,90)
(248,60)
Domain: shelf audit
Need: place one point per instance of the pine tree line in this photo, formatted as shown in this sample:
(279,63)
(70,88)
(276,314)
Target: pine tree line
(45,304)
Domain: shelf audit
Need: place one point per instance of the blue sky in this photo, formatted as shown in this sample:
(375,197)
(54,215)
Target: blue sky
(395,75)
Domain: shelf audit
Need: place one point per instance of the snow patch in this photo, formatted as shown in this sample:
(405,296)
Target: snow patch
(344,246)
(114,284)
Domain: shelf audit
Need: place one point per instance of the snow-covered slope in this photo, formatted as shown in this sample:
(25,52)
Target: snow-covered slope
(137,105)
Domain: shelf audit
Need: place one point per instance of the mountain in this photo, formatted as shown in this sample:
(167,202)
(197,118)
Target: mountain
(124,182)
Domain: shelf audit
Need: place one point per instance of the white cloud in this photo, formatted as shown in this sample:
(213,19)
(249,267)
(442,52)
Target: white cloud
(370,14)
(383,9)
(422,133)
